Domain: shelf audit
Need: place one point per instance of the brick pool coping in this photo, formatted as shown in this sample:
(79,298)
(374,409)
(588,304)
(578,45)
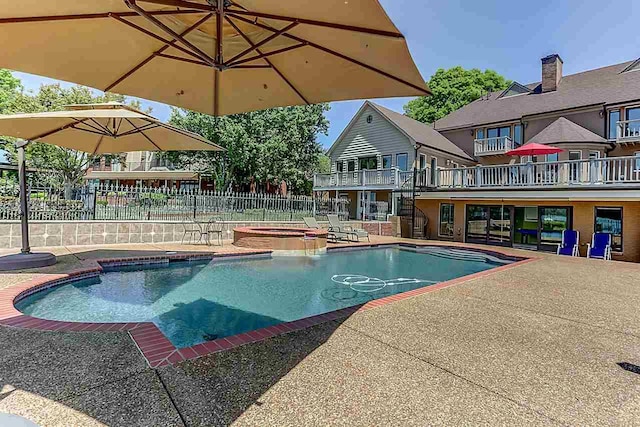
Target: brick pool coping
(156,347)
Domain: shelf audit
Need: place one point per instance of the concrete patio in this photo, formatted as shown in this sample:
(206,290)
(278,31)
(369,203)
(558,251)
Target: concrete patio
(543,343)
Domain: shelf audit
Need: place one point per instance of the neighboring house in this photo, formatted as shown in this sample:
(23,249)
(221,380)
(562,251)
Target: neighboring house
(144,168)
(375,154)
(593,185)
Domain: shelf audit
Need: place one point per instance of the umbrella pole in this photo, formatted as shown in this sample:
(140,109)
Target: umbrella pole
(25,259)
(24,205)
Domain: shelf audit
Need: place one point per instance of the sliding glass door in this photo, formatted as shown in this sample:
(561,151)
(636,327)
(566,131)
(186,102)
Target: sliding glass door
(490,225)
(552,220)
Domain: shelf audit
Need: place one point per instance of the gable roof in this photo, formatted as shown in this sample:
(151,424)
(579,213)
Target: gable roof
(563,131)
(608,85)
(514,89)
(421,133)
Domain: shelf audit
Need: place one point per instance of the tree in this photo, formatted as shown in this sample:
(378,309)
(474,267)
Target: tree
(453,89)
(10,88)
(267,146)
(71,164)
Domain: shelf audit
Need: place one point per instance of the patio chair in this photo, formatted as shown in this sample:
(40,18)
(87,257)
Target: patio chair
(569,245)
(333,235)
(192,229)
(336,226)
(600,246)
(216,227)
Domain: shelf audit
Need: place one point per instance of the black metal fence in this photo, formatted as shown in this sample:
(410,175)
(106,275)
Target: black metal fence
(162,204)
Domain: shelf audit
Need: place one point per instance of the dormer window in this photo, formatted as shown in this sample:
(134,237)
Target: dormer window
(514,89)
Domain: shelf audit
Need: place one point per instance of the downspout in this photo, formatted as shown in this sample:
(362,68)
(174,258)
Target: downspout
(413,191)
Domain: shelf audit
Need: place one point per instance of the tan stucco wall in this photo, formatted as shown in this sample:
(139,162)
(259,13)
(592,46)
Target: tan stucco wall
(583,220)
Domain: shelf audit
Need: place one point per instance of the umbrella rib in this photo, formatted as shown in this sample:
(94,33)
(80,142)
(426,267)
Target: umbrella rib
(262,42)
(264,55)
(334,53)
(143,134)
(190,135)
(87,130)
(95,150)
(171,43)
(48,18)
(148,126)
(101,126)
(353,28)
(60,129)
(178,58)
(248,40)
(156,53)
(75,126)
(132,4)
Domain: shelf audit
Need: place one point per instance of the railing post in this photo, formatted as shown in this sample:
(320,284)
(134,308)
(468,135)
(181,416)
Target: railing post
(478,176)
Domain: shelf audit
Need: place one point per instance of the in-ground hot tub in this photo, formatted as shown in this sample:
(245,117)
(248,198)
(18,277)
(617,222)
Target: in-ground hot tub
(282,240)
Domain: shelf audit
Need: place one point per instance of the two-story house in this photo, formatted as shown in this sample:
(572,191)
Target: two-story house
(469,190)
(373,158)
(592,185)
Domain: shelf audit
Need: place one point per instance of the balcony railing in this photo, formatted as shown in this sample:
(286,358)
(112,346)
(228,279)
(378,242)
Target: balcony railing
(628,131)
(141,166)
(385,178)
(492,146)
(571,173)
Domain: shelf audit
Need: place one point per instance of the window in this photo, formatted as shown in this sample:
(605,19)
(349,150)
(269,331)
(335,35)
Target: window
(594,154)
(369,118)
(633,116)
(609,220)
(351,165)
(369,163)
(446,220)
(575,155)
(423,161)
(454,165)
(552,157)
(499,132)
(637,156)
(386,162)
(517,134)
(402,161)
(339,166)
(480,134)
(614,118)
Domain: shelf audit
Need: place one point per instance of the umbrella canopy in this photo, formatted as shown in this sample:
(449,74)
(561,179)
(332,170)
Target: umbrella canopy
(533,149)
(214,56)
(101,129)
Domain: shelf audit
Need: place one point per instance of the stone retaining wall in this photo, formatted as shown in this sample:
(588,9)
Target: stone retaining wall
(72,233)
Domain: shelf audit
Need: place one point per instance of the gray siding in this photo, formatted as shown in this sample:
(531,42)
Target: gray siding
(378,138)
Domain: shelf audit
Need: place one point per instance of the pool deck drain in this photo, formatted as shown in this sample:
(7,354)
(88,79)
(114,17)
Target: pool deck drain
(157,349)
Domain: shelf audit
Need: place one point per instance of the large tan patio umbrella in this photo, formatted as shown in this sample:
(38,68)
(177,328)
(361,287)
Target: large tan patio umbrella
(96,129)
(214,56)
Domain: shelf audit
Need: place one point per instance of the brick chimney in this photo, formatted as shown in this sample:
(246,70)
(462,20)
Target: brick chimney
(551,72)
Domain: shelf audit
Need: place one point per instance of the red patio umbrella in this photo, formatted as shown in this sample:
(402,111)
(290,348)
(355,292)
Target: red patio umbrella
(533,149)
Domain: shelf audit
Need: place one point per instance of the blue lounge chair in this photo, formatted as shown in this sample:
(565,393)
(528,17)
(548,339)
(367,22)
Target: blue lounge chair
(600,246)
(569,245)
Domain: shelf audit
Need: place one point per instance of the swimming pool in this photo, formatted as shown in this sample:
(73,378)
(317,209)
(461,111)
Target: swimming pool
(196,301)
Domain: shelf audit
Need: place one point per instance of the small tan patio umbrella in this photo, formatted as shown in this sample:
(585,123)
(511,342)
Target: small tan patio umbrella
(214,56)
(96,129)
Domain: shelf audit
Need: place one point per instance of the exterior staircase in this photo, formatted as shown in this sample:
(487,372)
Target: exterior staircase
(413,221)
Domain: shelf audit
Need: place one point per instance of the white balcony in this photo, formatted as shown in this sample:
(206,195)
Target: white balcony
(377,179)
(612,171)
(492,146)
(628,131)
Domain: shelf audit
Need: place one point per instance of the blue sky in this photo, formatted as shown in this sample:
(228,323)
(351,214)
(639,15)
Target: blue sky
(507,36)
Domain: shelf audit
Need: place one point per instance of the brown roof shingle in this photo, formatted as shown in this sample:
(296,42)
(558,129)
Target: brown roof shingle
(607,85)
(563,131)
(421,133)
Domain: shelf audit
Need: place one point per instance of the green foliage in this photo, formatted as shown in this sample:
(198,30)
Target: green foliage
(70,164)
(324,164)
(453,89)
(267,146)
(10,87)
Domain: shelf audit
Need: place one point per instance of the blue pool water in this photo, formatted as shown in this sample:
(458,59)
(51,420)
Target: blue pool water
(193,302)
